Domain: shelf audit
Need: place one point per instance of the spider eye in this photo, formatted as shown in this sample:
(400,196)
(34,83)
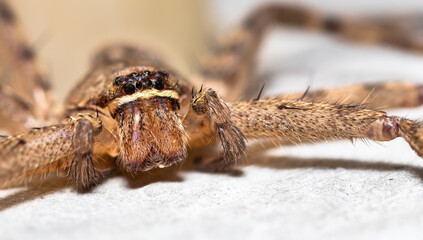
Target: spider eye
(150,83)
(159,84)
(162,73)
(117,81)
(138,85)
(129,88)
(147,73)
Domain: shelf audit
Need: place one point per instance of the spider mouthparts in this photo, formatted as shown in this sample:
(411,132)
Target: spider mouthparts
(150,135)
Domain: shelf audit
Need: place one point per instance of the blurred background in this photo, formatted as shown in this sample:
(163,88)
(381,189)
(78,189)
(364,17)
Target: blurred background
(66,34)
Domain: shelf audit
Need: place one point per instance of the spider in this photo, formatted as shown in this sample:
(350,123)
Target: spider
(132,111)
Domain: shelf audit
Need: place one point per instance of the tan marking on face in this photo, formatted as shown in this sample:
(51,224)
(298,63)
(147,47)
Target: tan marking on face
(143,95)
(130,70)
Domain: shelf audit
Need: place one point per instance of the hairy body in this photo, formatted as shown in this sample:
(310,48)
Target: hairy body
(134,112)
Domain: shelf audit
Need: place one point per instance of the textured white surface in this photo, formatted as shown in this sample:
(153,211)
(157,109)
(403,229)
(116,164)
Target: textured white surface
(325,191)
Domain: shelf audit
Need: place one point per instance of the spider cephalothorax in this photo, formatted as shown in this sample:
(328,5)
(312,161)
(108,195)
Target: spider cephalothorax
(145,109)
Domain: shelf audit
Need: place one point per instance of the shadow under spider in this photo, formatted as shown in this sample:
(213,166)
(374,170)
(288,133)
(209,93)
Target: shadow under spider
(284,162)
(48,186)
(33,191)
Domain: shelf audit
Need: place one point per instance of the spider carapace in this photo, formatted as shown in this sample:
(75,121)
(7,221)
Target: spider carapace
(143,102)
(134,112)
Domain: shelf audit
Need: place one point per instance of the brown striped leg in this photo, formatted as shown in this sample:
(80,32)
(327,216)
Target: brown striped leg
(43,150)
(37,150)
(386,95)
(398,30)
(21,69)
(298,122)
(217,114)
(230,66)
(82,170)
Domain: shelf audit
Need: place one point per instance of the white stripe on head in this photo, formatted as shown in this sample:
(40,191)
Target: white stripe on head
(142,95)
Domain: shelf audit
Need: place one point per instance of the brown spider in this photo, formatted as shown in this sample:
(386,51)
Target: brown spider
(134,112)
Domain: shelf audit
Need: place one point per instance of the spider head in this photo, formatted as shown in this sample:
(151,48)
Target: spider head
(142,80)
(149,129)
(140,84)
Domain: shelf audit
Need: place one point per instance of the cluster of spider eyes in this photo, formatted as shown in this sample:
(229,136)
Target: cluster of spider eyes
(141,80)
